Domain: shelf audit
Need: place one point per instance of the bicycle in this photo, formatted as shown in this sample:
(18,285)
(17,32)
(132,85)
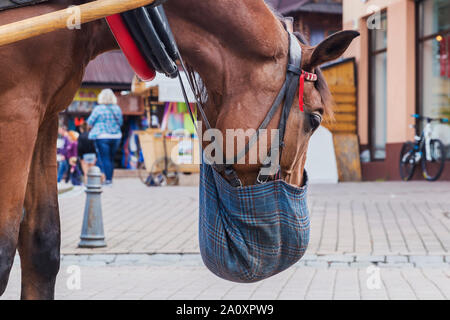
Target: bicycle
(426,150)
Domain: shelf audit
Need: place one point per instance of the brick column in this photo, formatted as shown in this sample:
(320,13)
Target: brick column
(400,71)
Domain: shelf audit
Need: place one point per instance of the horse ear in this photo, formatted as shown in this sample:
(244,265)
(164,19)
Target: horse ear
(332,47)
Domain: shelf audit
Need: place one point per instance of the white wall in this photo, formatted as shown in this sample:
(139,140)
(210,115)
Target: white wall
(321,159)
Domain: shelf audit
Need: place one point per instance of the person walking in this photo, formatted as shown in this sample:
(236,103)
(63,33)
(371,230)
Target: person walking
(72,158)
(69,154)
(105,121)
(62,145)
(86,151)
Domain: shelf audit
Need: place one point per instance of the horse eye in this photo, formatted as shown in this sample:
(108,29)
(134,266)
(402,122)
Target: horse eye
(315,120)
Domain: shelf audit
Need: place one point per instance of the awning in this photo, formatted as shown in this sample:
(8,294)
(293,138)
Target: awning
(109,69)
(287,7)
(169,90)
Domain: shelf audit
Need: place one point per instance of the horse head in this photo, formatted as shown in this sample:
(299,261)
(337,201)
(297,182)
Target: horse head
(318,103)
(242,59)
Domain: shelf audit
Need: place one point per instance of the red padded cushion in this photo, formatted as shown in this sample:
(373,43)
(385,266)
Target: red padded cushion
(129,48)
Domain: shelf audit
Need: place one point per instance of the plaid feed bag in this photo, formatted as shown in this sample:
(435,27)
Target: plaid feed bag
(251,233)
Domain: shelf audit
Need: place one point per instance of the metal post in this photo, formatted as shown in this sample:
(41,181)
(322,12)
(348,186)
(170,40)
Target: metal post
(92,234)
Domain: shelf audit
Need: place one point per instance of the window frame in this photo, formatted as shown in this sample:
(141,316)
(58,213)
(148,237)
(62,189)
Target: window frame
(371,55)
(420,40)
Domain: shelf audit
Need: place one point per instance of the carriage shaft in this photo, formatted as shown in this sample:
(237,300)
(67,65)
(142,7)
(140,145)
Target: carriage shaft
(46,23)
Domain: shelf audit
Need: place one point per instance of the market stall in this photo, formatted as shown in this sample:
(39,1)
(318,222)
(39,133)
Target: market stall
(171,135)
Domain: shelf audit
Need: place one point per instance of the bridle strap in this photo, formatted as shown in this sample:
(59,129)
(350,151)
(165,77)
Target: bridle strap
(294,69)
(273,110)
(287,93)
(197,99)
(292,81)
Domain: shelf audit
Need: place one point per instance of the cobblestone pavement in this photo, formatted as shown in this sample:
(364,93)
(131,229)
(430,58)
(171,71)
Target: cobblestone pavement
(184,277)
(385,218)
(386,240)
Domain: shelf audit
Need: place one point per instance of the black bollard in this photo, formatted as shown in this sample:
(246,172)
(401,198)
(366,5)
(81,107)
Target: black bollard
(92,234)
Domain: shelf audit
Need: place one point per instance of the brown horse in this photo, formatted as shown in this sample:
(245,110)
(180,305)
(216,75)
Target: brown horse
(240,50)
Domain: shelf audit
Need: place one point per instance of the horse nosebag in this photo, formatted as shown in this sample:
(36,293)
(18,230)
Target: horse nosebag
(250,233)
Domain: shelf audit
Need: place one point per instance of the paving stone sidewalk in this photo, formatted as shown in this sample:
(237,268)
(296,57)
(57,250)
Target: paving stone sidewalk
(364,219)
(184,277)
(383,240)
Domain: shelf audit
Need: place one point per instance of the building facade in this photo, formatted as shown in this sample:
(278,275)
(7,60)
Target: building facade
(315,19)
(403,68)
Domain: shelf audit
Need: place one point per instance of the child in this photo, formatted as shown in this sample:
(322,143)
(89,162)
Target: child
(86,150)
(72,156)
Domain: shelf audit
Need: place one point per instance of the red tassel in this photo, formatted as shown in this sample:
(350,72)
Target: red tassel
(300,91)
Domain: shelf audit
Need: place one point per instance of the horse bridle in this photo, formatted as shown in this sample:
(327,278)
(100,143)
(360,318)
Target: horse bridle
(295,78)
(151,31)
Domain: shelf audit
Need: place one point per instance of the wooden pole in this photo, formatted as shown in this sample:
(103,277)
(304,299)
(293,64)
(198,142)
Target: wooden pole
(49,22)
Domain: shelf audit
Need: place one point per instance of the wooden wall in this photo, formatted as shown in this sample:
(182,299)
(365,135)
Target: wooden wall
(341,80)
(342,83)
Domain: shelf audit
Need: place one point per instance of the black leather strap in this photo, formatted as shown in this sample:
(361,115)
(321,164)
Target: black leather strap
(150,30)
(276,105)
(230,174)
(292,80)
(159,19)
(290,96)
(135,31)
(167,64)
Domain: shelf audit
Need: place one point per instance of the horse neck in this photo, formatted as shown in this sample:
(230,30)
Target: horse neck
(92,38)
(233,45)
(95,37)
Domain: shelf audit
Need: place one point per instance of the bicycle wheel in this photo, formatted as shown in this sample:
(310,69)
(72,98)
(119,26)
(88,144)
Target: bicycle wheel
(165,172)
(432,169)
(407,161)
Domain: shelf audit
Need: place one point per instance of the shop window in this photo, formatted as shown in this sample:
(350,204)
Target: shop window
(434,64)
(378,90)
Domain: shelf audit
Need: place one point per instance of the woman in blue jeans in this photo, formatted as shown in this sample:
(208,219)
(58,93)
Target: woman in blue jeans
(106,120)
